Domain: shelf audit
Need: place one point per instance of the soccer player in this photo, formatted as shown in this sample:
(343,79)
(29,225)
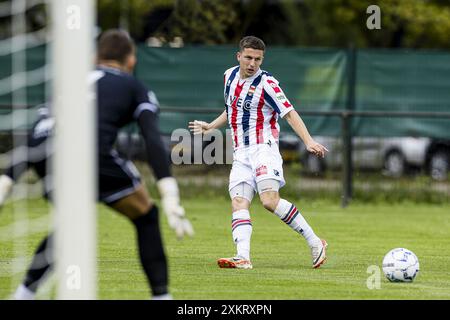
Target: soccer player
(122,99)
(253,103)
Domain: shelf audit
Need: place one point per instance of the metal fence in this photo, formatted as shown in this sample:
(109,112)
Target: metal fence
(345,117)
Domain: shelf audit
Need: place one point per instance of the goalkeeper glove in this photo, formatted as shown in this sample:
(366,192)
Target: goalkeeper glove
(6,184)
(170,198)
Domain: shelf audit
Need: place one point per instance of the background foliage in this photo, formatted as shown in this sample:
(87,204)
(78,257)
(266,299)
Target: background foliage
(336,23)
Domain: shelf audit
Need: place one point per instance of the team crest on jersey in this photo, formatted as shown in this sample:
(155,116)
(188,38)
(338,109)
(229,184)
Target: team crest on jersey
(251,91)
(261,170)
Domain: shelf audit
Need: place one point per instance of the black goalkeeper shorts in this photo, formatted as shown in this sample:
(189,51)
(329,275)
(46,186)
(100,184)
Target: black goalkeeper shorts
(118,178)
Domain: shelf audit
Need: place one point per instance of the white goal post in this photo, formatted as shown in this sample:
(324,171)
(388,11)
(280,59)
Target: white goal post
(75,160)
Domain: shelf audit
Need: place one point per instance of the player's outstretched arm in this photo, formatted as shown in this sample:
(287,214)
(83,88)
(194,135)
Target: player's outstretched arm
(198,127)
(167,185)
(297,124)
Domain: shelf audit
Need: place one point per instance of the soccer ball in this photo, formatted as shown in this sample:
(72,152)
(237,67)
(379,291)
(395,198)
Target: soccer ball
(400,265)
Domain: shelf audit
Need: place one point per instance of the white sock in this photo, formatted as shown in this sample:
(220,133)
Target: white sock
(289,214)
(23,293)
(241,229)
(166,296)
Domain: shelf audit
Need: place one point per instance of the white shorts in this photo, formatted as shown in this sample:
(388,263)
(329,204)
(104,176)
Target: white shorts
(256,163)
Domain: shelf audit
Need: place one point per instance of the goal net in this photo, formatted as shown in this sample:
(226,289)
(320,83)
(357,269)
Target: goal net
(46,54)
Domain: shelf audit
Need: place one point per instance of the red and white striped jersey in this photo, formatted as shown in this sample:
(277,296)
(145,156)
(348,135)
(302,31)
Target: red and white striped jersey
(253,106)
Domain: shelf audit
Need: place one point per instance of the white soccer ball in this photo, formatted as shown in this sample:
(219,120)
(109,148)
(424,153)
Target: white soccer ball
(400,265)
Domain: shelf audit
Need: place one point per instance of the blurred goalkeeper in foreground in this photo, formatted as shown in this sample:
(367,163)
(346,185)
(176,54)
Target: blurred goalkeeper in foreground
(121,99)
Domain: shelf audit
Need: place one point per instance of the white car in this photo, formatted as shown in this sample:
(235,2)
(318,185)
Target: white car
(395,156)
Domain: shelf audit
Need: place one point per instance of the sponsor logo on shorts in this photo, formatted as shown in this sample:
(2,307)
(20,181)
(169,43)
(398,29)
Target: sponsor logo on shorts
(261,170)
(276,172)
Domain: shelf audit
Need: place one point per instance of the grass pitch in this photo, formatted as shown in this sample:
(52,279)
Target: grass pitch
(358,236)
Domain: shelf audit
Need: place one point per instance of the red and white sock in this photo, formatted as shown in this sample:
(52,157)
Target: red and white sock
(241,229)
(290,215)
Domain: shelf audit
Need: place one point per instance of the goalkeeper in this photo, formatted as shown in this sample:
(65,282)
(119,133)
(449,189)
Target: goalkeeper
(121,100)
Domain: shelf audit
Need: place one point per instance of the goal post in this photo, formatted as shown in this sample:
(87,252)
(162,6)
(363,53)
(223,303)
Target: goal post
(74,163)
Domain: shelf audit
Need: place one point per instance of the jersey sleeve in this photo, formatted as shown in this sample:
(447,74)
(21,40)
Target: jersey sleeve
(144,100)
(146,115)
(157,155)
(275,97)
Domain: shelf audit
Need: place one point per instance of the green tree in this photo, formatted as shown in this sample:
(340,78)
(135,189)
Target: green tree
(203,21)
(128,14)
(404,23)
(331,23)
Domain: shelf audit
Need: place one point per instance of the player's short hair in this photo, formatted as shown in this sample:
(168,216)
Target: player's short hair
(115,45)
(251,42)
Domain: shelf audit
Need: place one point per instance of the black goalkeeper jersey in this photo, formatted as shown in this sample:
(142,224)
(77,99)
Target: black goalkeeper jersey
(120,100)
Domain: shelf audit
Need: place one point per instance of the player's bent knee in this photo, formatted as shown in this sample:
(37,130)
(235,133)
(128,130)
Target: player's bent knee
(239,203)
(268,193)
(149,218)
(270,200)
(134,205)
